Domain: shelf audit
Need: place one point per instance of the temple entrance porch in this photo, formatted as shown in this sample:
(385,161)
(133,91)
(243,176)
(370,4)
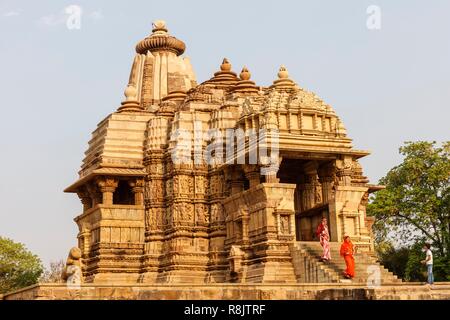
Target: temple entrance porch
(313,194)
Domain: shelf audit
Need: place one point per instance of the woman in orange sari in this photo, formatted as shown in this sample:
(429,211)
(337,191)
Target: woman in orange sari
(347,252)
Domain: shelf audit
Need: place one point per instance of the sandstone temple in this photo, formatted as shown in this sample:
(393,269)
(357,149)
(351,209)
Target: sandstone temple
(157,209)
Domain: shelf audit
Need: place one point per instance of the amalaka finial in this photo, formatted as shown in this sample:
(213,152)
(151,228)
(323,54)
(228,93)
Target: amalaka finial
(226,65)
(245,85)
(283,73)
(130,93)
(245,74)
(131,103)
(283,82)
(160,40)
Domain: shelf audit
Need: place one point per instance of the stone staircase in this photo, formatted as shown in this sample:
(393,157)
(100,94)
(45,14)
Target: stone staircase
(310,269)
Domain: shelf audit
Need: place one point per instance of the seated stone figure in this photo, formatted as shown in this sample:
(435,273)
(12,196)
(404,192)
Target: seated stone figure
(72,272)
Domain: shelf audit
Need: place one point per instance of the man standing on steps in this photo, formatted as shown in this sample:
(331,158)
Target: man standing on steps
(428,262)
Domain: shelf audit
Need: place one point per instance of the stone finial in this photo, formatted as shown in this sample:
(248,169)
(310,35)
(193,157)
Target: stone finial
(226,65)
(245,84)
(159,26)
(160,40)
(283,73)
(131,103)
(224,77)
(283,82)
(245,74)
(130,93)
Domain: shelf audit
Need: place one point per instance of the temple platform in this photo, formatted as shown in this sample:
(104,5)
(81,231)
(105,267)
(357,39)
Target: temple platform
(313,291)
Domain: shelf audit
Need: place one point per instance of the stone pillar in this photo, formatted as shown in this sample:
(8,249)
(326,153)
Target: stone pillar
(107,187)
(344,170)
(85,237)
(310,186)
(252,173)
(245,219)
(85,198)
(237,180)
(137,187)
(327,177)
(94,193)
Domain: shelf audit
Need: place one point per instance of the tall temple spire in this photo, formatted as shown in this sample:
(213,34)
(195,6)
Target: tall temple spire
(159,67)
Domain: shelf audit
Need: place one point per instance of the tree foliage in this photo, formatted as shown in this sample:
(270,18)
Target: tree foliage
(413,209)
(19,268)
(415,206)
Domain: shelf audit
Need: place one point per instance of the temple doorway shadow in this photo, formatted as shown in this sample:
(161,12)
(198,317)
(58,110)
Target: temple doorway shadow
(311,196)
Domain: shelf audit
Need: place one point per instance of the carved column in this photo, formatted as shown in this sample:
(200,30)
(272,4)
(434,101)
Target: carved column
(137,187)
(253,175)
(344,170)
(237,180)
(327,177)
(107,187)
(85,237)
(94,193)
(85,198)
(271,170)
(308,192)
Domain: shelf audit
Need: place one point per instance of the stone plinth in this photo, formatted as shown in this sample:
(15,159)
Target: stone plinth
(342,291)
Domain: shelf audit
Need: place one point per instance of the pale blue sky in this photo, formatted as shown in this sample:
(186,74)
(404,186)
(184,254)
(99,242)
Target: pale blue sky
(387,85)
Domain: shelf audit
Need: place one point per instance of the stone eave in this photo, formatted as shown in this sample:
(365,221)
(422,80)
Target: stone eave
(375,187)
(102,172)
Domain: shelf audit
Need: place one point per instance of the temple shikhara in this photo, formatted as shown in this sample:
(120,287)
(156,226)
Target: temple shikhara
(163,204)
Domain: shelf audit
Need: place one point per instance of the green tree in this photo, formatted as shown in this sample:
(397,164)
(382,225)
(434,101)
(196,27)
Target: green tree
(395,259)
(415,206)
(414,269)
(19,268)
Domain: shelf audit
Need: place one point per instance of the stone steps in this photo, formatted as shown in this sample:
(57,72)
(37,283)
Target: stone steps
(309,253)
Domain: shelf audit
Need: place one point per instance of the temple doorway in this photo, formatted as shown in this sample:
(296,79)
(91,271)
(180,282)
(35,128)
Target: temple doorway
(310,199)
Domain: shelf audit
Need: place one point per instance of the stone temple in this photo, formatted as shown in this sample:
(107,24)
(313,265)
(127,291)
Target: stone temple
(214,191)
(156,210)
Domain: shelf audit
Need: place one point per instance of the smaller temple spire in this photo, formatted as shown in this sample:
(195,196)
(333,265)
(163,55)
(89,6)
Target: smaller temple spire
(245,84)
(130,104)
(283,81)
(224,77)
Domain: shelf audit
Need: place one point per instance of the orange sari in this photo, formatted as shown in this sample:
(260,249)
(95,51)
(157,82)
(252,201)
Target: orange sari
(347,253)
